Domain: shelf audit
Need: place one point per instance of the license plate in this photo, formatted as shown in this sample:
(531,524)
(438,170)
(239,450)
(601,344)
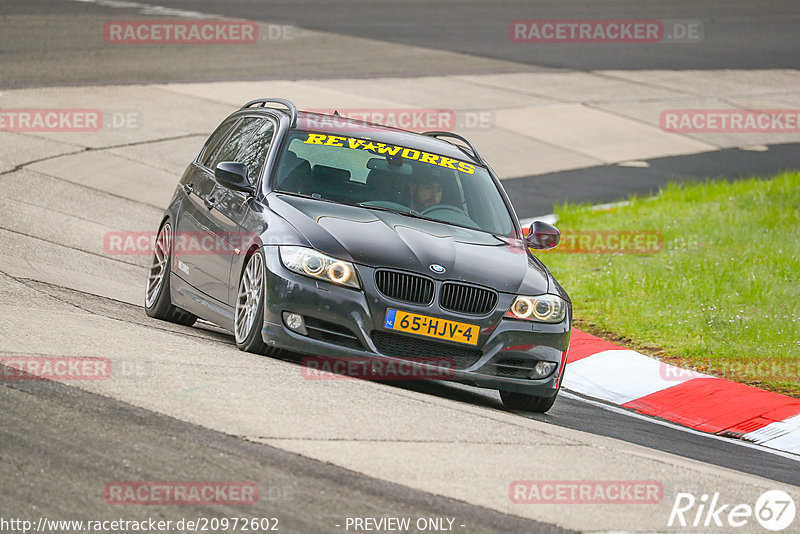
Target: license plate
(431,326)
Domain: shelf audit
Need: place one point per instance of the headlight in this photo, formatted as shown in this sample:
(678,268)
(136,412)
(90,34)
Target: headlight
(310,262)
(541,308)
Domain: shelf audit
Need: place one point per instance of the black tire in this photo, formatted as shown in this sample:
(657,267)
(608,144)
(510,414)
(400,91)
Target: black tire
(526,403)
(157,301)
(248,337)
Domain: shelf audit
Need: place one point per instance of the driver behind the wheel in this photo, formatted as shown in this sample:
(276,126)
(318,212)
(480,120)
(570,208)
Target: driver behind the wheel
(426,191)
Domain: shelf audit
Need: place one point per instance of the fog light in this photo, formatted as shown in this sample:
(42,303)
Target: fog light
(295,322)
(542,369)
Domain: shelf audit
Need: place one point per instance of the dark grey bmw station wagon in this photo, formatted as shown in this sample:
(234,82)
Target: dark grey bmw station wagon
(339,238)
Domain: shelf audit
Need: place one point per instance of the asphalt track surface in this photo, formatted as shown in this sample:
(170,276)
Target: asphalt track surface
(59,442)
(537,195)
(53,43)
(48,42)
(46,423)
(766,32)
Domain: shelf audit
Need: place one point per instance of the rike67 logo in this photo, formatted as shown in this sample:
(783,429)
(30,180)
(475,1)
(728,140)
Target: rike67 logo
(774,510)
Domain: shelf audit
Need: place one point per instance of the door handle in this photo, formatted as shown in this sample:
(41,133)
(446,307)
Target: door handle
(189,188)
(210,203)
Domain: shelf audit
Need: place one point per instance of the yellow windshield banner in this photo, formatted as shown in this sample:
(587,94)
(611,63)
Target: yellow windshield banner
(389,150)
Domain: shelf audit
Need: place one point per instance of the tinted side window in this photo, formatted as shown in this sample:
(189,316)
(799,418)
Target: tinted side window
(255,151)
(214,142)
(230,147)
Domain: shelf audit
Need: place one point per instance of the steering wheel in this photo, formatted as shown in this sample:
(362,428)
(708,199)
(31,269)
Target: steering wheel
(444,207)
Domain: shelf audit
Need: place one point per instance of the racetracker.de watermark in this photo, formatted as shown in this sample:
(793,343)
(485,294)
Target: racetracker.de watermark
(554,31)
(149,525)
(411,119)
(119,243)
(609,242)
(54,368)
(181,32)
(586,492)
(414,119)
(181,493)
(778,369)
(68,120)
(421,368)
(730,120)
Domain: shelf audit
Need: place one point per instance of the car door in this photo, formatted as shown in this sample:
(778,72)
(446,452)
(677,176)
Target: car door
(231,207)
(202,258)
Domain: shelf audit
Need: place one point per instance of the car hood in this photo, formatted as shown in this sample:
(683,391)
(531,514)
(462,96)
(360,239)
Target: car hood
(386,239)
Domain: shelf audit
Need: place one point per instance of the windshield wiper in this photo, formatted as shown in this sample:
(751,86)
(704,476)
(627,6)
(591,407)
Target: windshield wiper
(416,215)
(314,196)
(411,213)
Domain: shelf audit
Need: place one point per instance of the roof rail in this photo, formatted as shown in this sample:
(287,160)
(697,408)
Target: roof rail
(438,134)
(282,101)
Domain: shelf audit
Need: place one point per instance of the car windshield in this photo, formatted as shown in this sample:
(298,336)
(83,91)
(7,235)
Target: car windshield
(349,170)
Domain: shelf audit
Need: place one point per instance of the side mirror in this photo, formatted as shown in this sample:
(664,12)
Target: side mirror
(542,236)
(234,176)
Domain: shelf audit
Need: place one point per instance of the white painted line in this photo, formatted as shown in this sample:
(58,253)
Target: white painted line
(149,9)
(629,413)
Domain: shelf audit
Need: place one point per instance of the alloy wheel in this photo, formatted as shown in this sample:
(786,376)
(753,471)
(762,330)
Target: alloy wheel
(249,297)
(160,267)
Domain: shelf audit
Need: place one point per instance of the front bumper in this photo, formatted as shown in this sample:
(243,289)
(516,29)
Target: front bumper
(348,323)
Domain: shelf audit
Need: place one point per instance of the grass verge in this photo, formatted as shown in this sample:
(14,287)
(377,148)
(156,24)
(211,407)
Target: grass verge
(721,296)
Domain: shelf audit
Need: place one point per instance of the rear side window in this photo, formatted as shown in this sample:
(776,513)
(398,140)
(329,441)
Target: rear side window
(230,147)
(255,151)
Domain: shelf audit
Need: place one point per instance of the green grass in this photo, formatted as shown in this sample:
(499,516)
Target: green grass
(722,297)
